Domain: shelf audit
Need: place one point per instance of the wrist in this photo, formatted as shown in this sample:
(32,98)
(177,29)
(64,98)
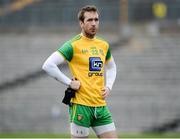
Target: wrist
(108,88)
(68,83)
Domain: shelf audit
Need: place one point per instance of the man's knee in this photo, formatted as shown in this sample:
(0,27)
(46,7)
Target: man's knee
(110,134)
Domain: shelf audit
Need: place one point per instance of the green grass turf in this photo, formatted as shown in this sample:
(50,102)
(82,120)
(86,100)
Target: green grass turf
(123,135)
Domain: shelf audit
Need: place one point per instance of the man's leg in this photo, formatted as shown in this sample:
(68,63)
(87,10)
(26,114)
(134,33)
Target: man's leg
(79,131)
(106,131)
(80,121)
(110,134)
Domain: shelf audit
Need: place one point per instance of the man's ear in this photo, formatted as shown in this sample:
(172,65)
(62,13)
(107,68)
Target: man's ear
(81,24)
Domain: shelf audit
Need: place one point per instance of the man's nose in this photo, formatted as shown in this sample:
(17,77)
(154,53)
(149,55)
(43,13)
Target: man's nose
(93,23)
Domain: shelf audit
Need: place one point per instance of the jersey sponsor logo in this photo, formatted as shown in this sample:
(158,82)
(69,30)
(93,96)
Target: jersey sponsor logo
(95,66)
(90,74)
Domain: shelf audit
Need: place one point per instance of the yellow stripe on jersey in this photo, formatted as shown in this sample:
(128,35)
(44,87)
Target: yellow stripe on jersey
(86,58)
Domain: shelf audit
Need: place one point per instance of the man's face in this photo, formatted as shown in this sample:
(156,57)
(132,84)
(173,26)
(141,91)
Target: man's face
(90,24)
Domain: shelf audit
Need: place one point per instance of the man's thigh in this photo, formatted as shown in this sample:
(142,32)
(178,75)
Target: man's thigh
(83,117)
(102,116)
(80,115)
(104,125)
(107,130)
(79,131)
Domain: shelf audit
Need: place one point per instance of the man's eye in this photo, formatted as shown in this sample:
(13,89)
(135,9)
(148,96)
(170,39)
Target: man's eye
(90,20)
(96,19)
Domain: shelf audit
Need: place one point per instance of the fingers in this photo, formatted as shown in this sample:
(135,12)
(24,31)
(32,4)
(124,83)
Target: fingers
(74,79)
(105,92)
(104,95)
(75,84)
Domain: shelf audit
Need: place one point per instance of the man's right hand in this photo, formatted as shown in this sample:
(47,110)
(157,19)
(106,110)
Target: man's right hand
(75,84)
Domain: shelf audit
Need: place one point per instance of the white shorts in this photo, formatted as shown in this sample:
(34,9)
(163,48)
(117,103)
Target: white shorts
(80,131)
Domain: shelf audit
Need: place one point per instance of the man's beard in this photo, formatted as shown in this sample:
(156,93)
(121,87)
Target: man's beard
(89,35)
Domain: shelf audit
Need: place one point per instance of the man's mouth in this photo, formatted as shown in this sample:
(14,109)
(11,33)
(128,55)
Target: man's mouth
(93,29)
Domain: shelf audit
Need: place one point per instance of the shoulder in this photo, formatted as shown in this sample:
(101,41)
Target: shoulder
(69,44)
(67,48)
(74,39)
(103,41)
(107,48)
(70,41)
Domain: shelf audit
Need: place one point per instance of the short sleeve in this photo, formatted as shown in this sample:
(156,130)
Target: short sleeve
(108,55)
(67,50)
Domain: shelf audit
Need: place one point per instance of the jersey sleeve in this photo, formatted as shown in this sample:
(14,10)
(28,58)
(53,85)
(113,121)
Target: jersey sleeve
(67,50)
(108,55)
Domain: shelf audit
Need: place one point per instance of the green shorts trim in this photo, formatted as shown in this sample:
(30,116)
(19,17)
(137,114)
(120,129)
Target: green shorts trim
(89,116)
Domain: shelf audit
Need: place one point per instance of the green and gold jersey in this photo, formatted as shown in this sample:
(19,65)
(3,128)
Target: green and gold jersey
(86,59)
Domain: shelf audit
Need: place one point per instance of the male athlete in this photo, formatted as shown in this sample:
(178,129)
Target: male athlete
(87,56)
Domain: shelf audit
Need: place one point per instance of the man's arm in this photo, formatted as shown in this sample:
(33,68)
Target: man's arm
(110,77)
(51,67)
(110,73)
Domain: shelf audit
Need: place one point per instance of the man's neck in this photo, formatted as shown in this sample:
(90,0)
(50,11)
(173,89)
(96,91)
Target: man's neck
(88,35)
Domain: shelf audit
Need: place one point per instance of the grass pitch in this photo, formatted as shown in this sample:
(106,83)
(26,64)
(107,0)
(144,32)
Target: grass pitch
(122,135)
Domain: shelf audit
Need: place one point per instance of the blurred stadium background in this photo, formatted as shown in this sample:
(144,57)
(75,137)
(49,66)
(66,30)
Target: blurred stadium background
(145,41)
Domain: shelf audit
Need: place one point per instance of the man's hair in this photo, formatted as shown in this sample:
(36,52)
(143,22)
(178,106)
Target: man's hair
(87,8)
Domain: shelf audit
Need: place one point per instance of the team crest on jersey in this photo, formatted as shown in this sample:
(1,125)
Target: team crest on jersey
(80,117)
(94,50)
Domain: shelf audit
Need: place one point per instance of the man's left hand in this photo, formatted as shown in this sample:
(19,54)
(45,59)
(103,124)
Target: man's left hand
(105,92)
